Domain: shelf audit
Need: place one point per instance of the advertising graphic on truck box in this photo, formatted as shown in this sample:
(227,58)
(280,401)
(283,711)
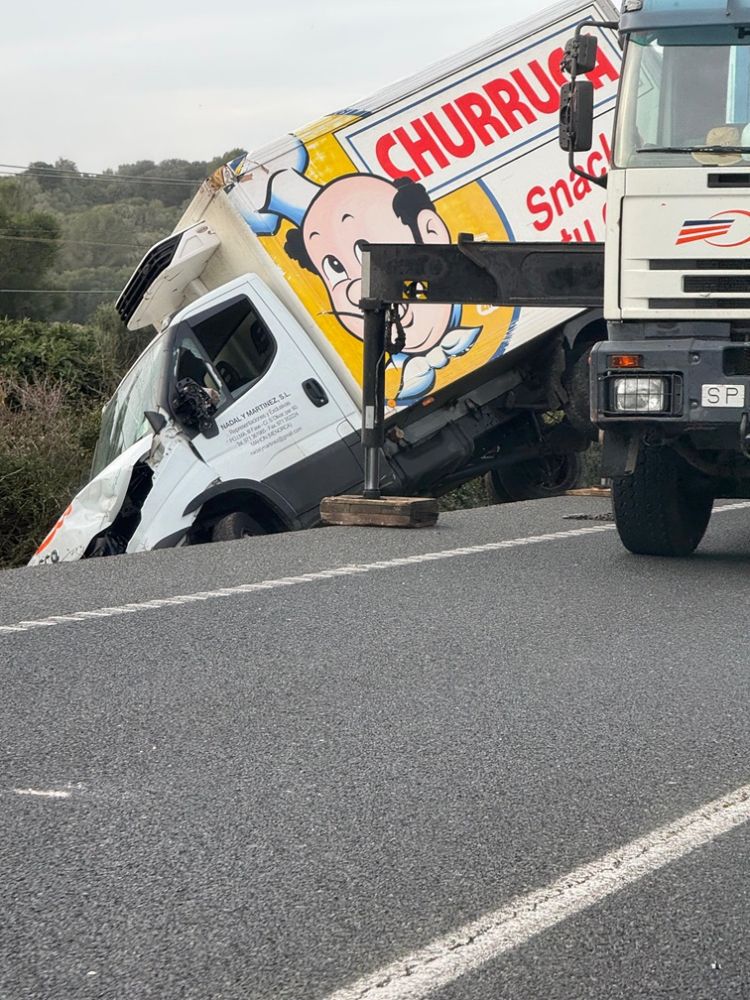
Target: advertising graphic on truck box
(475,152)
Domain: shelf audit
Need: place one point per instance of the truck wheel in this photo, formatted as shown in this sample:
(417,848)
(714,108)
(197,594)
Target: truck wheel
(549,476)
(236,525)
(577,409)
(662,509)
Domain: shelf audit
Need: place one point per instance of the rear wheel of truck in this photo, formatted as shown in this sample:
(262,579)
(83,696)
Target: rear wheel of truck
(236,525)
(549,476)
(663,509)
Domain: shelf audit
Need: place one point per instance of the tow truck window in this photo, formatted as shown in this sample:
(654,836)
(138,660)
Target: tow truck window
(237,344)
(683,89)
(123,422)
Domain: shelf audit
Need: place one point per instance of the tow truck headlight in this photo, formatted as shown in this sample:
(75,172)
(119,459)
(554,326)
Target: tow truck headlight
(640,394)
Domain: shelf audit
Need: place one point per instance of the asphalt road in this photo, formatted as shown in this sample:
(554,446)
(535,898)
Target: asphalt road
(273,793)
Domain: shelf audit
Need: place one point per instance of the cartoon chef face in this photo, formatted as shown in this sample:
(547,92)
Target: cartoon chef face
(357,209)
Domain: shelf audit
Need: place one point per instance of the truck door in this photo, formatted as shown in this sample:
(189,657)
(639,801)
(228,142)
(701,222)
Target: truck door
(282,416)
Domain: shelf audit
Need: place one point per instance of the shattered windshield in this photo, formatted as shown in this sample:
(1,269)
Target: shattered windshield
(123,421)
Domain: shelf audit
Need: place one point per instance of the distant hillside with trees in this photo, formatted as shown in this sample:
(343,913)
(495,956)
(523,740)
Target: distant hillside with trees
(69,240)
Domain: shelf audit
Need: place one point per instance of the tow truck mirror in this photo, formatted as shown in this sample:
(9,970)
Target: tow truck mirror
(580,54)
(576,116)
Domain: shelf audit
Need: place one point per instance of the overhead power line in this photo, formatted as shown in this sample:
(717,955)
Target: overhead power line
(65,291)
(64,239)
(16,170)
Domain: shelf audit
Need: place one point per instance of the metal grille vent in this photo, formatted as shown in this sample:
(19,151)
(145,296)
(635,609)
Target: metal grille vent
(716,283)
(736,361)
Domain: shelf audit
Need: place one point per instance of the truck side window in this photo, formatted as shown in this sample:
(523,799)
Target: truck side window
(238,344)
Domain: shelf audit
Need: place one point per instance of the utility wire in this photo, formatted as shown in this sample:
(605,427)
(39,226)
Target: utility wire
(16,170)
(63,239)
(65,291)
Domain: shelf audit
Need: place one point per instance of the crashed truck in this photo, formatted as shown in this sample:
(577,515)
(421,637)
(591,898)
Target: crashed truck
(245,409)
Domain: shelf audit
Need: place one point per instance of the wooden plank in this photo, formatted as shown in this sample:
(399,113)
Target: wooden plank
(389,512)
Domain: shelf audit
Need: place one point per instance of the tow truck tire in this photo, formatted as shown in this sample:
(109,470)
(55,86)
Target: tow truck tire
(236,525)
(662,509)
(535,479)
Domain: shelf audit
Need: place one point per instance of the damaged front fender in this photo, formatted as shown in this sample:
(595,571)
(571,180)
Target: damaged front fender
(92,510)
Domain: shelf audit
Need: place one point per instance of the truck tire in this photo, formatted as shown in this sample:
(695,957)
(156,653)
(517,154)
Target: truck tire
(662,509)
(578,407)
(549,476)
(236,525)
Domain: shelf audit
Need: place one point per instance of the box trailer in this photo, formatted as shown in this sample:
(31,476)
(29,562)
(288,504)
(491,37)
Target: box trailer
(245,410)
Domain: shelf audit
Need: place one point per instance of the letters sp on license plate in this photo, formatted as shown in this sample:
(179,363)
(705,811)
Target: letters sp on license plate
(722,395)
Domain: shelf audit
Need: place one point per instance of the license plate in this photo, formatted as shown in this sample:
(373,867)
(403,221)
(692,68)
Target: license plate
(723,395)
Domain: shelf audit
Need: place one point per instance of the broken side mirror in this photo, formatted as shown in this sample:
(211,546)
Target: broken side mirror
(193,407)
(580,54)
(576,116)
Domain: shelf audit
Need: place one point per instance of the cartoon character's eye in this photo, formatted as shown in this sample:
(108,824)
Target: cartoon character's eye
(358,249)
(333,270)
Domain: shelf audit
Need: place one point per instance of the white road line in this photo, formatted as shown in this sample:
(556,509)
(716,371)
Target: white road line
(325,574)
(293,581)
(52,793)
(444,960)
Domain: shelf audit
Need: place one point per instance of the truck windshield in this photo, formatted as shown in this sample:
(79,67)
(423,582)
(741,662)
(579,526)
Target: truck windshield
(123,422)
(685,98)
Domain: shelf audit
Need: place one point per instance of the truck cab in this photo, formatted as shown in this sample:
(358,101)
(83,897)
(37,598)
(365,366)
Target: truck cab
(671,385)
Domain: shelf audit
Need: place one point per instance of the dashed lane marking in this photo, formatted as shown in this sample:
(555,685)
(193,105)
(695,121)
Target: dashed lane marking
(355,569)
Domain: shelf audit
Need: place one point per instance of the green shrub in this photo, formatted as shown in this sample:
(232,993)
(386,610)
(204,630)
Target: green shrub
(45,450)
(54,379)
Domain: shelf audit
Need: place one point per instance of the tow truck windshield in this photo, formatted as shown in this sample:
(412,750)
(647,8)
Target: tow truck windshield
(685,98)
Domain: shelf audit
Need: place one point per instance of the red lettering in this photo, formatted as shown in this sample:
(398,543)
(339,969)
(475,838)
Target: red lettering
(418,149)
(505,97)
(478,114)
(603,71)
(558,191)
(581,187)
(553,65)
(549,101)
(467,145)
(538,205)
(383,148)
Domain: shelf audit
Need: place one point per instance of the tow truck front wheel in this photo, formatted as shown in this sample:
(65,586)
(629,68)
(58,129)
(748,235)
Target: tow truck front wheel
(664,507)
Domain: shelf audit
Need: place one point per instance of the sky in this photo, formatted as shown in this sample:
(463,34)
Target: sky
(104,83)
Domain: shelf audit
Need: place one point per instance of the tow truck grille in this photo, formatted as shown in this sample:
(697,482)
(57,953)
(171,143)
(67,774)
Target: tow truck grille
(716,283)
(736,360)
(699,304)
(660,264)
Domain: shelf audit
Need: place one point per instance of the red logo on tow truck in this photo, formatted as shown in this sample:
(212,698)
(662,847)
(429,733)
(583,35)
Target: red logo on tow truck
(721,230)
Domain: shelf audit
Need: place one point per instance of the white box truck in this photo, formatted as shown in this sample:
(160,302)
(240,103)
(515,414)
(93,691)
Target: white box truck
(245,409)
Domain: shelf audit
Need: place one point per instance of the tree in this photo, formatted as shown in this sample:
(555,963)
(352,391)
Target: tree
(29,245)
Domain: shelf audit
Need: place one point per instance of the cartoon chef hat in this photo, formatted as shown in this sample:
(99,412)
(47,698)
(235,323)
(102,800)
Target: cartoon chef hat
(266,190)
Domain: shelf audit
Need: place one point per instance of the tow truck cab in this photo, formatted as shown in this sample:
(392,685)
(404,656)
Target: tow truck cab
(670,387)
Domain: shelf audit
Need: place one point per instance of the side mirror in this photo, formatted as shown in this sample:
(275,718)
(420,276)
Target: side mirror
(193,408)
(580,54)
(576,116)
